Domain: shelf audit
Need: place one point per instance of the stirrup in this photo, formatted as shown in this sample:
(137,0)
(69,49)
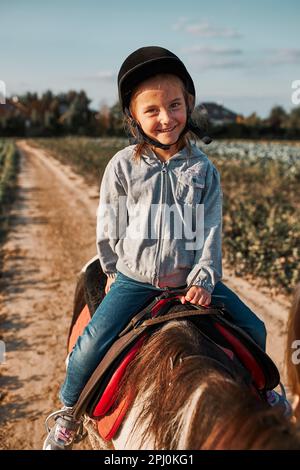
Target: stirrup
(52,415)
(81,433)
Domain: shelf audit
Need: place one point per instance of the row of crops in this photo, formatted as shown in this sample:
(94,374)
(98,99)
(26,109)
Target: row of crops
(261,185)
(8,173)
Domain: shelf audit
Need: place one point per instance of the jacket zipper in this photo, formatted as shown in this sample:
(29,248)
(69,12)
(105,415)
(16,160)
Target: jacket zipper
(162,213)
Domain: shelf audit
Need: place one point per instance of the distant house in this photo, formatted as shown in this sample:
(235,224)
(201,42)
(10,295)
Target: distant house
(12,107)
(6,108)
(217,114)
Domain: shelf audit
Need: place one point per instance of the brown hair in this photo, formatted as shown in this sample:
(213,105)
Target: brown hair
(184,140)
(293,334)
(189,402)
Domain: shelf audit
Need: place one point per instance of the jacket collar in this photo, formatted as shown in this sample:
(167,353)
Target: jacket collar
(150,157)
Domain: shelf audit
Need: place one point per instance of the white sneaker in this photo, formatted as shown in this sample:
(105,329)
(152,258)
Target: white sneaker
(66,431)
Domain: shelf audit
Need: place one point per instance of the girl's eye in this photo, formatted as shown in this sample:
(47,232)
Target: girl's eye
(151,111)
(175,105)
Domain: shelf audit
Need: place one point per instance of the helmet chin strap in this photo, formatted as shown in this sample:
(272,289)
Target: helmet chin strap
(142,137)
(189,127)
(155,143)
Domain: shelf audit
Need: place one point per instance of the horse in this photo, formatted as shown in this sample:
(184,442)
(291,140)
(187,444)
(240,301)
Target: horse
(188,393)
(186,400)
(292,354)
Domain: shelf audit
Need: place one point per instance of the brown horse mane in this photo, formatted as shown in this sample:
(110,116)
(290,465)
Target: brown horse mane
(293,333)
(191,402)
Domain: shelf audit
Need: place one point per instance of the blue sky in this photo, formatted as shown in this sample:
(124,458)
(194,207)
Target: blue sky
(243,54)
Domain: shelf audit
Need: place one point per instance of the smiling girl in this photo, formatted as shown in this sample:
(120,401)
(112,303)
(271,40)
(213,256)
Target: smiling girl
(163,174)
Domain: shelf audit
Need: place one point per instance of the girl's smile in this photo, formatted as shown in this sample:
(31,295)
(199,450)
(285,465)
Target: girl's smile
(159,106)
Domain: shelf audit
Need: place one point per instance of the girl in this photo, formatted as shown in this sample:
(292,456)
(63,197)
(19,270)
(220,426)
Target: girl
(159,220)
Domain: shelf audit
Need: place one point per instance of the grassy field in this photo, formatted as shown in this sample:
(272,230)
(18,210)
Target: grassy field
(260,181)
(88,157)
(261,184)
(8,174)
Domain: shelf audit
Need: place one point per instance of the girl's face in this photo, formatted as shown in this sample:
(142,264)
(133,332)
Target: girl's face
(159,106)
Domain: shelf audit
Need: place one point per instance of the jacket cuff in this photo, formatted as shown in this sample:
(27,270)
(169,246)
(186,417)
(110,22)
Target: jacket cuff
(111,275)
(207,285)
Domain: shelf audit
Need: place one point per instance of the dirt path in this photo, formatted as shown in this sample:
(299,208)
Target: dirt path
(52,237)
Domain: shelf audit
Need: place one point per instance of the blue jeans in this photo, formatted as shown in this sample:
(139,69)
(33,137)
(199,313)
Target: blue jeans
(124,299)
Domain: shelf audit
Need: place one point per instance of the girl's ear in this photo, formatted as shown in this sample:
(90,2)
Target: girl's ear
(190,102)
(132,112)
(133,121)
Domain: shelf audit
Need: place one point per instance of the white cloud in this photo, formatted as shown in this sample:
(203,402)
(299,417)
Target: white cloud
(210,64)
(208,58)
(283,56)
(211,50)
(226,64)
(205,29)
(180,23)
(105,75)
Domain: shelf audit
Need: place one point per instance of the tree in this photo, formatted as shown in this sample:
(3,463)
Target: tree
(294,119)
(77,115)
(253,120)
(103,118)
(116,120)
(277,117)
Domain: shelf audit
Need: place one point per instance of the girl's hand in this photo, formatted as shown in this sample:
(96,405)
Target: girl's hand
(198,296)
(109,282)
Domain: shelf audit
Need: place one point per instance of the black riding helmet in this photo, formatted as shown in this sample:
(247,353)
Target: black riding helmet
(143,64)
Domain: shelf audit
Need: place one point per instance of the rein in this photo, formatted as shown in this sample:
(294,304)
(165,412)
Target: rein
(125,340)
(177,316)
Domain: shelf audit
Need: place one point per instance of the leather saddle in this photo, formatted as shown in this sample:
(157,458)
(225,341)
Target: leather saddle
(221,341)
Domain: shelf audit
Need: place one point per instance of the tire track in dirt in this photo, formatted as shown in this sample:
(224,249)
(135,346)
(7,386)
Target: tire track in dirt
(52,236)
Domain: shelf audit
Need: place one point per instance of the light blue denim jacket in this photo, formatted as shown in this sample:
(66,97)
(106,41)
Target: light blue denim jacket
(153,236)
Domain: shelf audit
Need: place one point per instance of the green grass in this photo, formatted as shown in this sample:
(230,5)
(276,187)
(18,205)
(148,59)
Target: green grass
(8,176)
(262,214)
(86,156)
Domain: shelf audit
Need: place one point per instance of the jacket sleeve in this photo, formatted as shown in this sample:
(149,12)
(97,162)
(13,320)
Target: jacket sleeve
(207,268)
(111,219)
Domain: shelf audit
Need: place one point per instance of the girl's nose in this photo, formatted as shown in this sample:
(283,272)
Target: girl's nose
(165,116)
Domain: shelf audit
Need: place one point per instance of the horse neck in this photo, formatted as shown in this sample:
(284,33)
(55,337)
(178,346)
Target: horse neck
(130,435)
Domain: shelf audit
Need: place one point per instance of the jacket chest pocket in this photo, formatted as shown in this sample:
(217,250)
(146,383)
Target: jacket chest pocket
(189,188)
